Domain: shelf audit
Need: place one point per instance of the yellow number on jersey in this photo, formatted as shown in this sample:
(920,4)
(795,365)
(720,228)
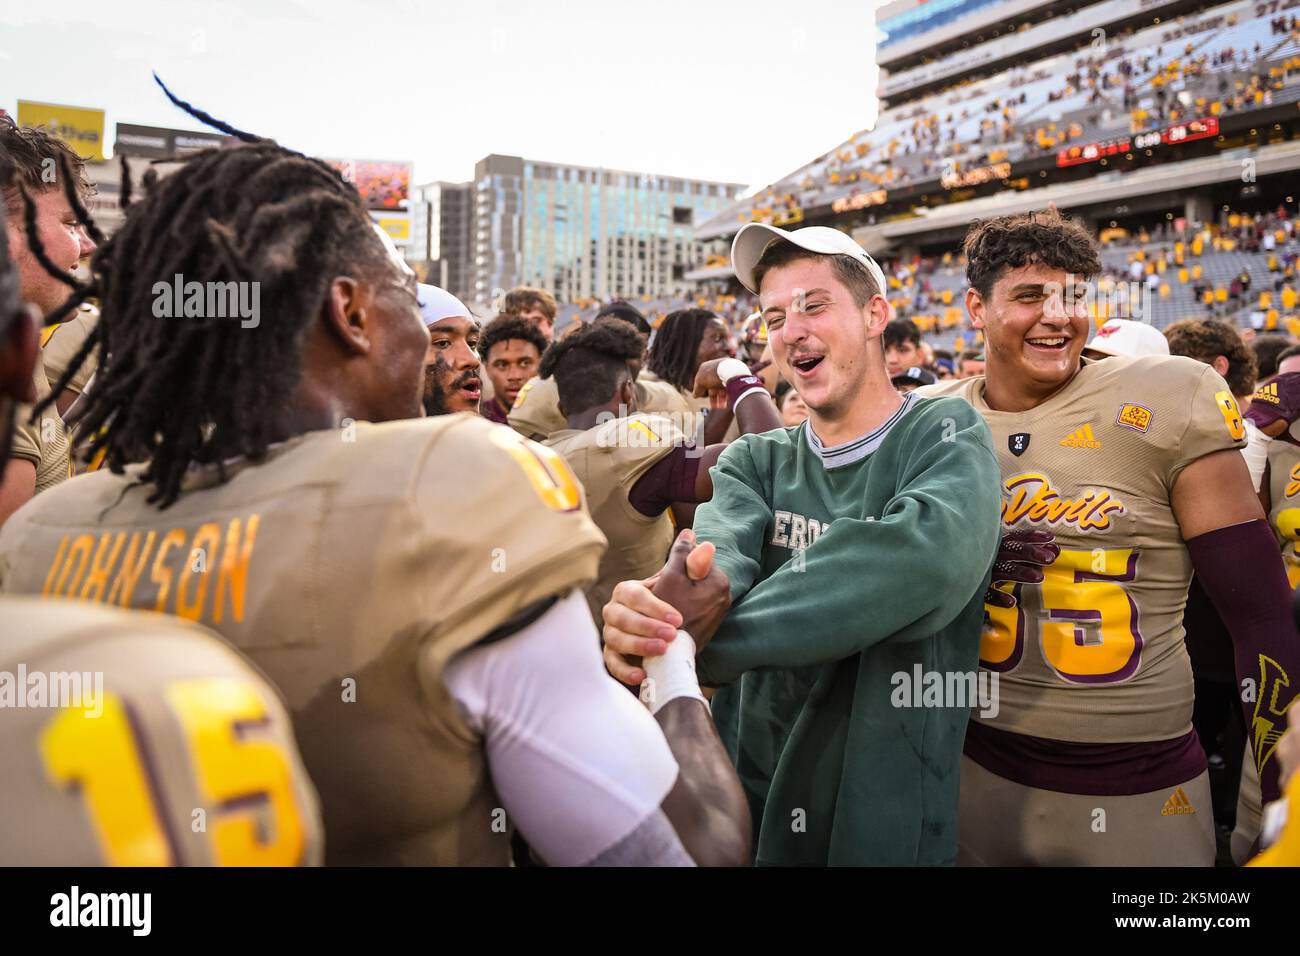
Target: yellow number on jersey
(1089,632)
(548,472)
(1288,528)
(1001,645)
(1231,415)
(98,754)
(1088,624)
(233,771)
(102,757)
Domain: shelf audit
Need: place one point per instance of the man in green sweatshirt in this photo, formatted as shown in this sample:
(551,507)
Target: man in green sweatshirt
(850,558)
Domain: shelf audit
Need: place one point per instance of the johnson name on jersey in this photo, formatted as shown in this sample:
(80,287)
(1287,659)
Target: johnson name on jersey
(351,565)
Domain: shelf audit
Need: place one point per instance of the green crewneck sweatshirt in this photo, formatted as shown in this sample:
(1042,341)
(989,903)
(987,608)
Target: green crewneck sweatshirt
(848,566)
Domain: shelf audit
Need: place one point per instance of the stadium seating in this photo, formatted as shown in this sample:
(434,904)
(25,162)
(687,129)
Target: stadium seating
(1225,59)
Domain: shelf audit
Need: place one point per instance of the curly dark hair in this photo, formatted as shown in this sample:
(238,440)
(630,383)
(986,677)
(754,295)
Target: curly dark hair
(674,353)
(993,247)
(591,363)
(1207,339)
(174,393)
(508,326)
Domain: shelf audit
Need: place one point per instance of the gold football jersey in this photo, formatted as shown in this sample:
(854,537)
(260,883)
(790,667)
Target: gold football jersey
(61,345)
(44,442)
(1284,502)
(537,406)
(1095,653)
(350,565)
(136,739)
(609,459)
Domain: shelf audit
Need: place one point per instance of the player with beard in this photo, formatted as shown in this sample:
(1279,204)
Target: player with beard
(1133,465)
(439,662)
(39,448)
(78,788)
(452,382)
(634,465)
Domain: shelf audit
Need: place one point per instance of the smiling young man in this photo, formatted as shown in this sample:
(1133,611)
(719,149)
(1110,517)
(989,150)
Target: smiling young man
(452,381)
(1133,465)
(853,548)
(32,162)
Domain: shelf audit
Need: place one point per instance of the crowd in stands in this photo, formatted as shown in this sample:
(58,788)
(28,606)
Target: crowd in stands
(1211,63)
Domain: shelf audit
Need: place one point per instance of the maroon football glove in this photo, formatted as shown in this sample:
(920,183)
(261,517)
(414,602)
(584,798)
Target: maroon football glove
(1278,400)
(1022,555)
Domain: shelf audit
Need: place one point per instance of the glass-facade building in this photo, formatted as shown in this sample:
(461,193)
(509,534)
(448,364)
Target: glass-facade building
(586,233)
(926,17)
(441,220)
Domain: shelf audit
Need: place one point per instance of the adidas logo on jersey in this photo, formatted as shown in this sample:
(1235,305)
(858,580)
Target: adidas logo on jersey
(1267,394)
(1081,438)
(1177,804)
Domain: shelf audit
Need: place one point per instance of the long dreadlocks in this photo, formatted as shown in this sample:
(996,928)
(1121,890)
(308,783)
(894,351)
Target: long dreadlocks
(171,392)
(674,354)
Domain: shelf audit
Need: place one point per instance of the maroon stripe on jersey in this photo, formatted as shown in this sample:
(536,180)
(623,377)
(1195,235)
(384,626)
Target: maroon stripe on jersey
(1096,769)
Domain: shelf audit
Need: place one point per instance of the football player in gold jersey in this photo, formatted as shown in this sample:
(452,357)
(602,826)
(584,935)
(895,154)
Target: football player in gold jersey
(635,466)
(1133,465)
(133,739)
(413,585)
(1275,409)
(536,411)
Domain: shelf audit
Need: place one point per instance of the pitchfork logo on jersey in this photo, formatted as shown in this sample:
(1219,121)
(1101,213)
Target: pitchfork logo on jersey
(1018,443)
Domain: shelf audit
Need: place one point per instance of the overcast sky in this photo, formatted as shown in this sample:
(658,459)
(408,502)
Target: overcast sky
(733,90)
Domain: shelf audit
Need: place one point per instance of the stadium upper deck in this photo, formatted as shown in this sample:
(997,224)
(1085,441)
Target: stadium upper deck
(990,100)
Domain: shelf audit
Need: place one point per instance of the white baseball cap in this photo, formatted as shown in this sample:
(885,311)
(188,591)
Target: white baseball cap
(1127,337)
(754,238)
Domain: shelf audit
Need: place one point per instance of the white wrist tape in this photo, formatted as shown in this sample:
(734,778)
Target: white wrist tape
(729,368)
(671,674)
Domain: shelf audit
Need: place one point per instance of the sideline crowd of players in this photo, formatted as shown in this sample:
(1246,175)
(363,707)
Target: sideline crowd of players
(379,538)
